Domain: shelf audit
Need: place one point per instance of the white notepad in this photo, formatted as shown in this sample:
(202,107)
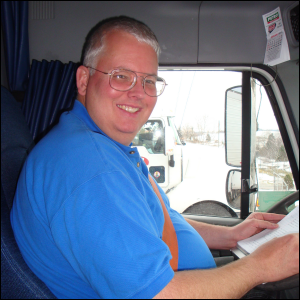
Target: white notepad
(289,224)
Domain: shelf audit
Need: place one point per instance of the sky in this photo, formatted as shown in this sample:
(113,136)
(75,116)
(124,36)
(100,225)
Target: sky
(192,95)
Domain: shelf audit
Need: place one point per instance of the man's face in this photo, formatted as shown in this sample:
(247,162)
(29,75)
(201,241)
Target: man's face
(106,106)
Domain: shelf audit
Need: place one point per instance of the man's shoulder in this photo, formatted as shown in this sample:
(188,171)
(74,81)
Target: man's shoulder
(72,145)
(71,133)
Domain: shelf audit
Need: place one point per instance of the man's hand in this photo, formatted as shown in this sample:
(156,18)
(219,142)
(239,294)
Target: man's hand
(254,224)
(222,237)
(278,258)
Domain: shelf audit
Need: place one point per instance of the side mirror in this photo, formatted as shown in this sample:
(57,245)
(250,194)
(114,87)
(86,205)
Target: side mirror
(233,126)
(233,188)
(183,143)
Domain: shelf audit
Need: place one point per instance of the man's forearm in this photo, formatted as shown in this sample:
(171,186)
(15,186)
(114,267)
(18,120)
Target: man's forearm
(273,261)
(230,281)
(216,237)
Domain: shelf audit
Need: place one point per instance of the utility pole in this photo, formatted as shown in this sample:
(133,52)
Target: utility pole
(218,133)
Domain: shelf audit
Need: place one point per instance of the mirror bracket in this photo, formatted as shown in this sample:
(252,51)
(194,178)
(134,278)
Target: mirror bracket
(246,187)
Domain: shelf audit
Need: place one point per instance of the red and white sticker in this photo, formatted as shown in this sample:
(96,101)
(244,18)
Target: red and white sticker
(145,160)
(156,174)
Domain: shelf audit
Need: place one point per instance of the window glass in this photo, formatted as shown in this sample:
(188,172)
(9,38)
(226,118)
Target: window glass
(272,168)
(183,145)
(151,136)
(175,130)
(194,101)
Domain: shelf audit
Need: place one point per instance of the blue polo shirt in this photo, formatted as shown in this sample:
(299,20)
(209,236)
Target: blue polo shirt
(88,222)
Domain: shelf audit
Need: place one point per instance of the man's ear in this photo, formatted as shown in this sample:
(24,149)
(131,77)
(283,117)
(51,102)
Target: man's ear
(82,78)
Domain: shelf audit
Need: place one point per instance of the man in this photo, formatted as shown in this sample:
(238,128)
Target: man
(85,215)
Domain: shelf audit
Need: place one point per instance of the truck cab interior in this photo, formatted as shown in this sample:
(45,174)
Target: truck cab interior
(194,36)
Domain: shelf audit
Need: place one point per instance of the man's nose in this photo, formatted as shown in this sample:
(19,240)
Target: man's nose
(138,90)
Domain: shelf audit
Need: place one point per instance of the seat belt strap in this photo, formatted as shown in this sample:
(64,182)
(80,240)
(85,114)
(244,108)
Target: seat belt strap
(169,233)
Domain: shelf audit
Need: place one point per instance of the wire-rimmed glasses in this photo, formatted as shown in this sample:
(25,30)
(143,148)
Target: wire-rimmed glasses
(123,80)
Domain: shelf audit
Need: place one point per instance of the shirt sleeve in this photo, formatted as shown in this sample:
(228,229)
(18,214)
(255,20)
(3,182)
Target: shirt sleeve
(107,232)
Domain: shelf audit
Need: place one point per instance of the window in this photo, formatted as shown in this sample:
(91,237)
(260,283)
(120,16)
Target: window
(196,101)
(275,178)
(175,131)
(151,136)
(193,172)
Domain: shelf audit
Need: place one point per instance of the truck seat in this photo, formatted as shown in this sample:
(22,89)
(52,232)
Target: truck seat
(17,280)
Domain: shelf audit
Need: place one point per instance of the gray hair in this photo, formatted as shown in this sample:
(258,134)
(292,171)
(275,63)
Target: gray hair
(95,40)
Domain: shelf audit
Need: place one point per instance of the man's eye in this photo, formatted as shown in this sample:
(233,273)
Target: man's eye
(121,77)
(150,81)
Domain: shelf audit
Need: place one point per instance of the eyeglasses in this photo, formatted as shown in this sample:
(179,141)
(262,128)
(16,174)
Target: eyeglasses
(123,80)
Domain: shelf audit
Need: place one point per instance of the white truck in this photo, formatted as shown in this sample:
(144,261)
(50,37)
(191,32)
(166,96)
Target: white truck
(160,147)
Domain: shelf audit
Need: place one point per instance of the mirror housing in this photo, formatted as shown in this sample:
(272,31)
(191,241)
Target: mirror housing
(233,126)
(234,188)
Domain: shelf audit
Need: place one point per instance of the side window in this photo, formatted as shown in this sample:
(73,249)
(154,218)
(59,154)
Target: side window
(275,179)
(175,131)
(196,171)
(151,136)
(184,148)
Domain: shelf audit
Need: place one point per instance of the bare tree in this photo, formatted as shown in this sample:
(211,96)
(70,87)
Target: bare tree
(187,132)
(202,126)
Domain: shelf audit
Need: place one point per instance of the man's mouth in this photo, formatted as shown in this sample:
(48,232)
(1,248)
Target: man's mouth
(129,109)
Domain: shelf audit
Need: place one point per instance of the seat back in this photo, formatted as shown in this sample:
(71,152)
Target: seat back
(17,280)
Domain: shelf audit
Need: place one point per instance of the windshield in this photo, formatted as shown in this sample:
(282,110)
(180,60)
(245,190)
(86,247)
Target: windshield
(175,131)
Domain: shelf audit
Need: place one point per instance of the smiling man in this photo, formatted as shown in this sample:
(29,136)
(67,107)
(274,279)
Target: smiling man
(120,114)
(89,220)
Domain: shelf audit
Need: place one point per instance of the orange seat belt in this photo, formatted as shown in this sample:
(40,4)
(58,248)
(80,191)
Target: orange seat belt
(169,234)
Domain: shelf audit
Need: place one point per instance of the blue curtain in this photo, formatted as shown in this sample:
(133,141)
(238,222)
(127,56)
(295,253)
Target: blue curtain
(14,19)
(51,90)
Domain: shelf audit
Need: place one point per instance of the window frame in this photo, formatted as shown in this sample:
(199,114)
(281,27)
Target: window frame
(246,142)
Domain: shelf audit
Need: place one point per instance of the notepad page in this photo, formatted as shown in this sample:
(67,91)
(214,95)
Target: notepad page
(289,224)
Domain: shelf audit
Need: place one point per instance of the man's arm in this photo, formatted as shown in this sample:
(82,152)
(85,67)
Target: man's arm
(275,260)
(222,237)
(228,282)
(216,237)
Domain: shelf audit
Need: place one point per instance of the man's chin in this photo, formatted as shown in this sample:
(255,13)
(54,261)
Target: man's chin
(131,130)
(132,133)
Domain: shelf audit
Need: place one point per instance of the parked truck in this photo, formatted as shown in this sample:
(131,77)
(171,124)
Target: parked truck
(159,145)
